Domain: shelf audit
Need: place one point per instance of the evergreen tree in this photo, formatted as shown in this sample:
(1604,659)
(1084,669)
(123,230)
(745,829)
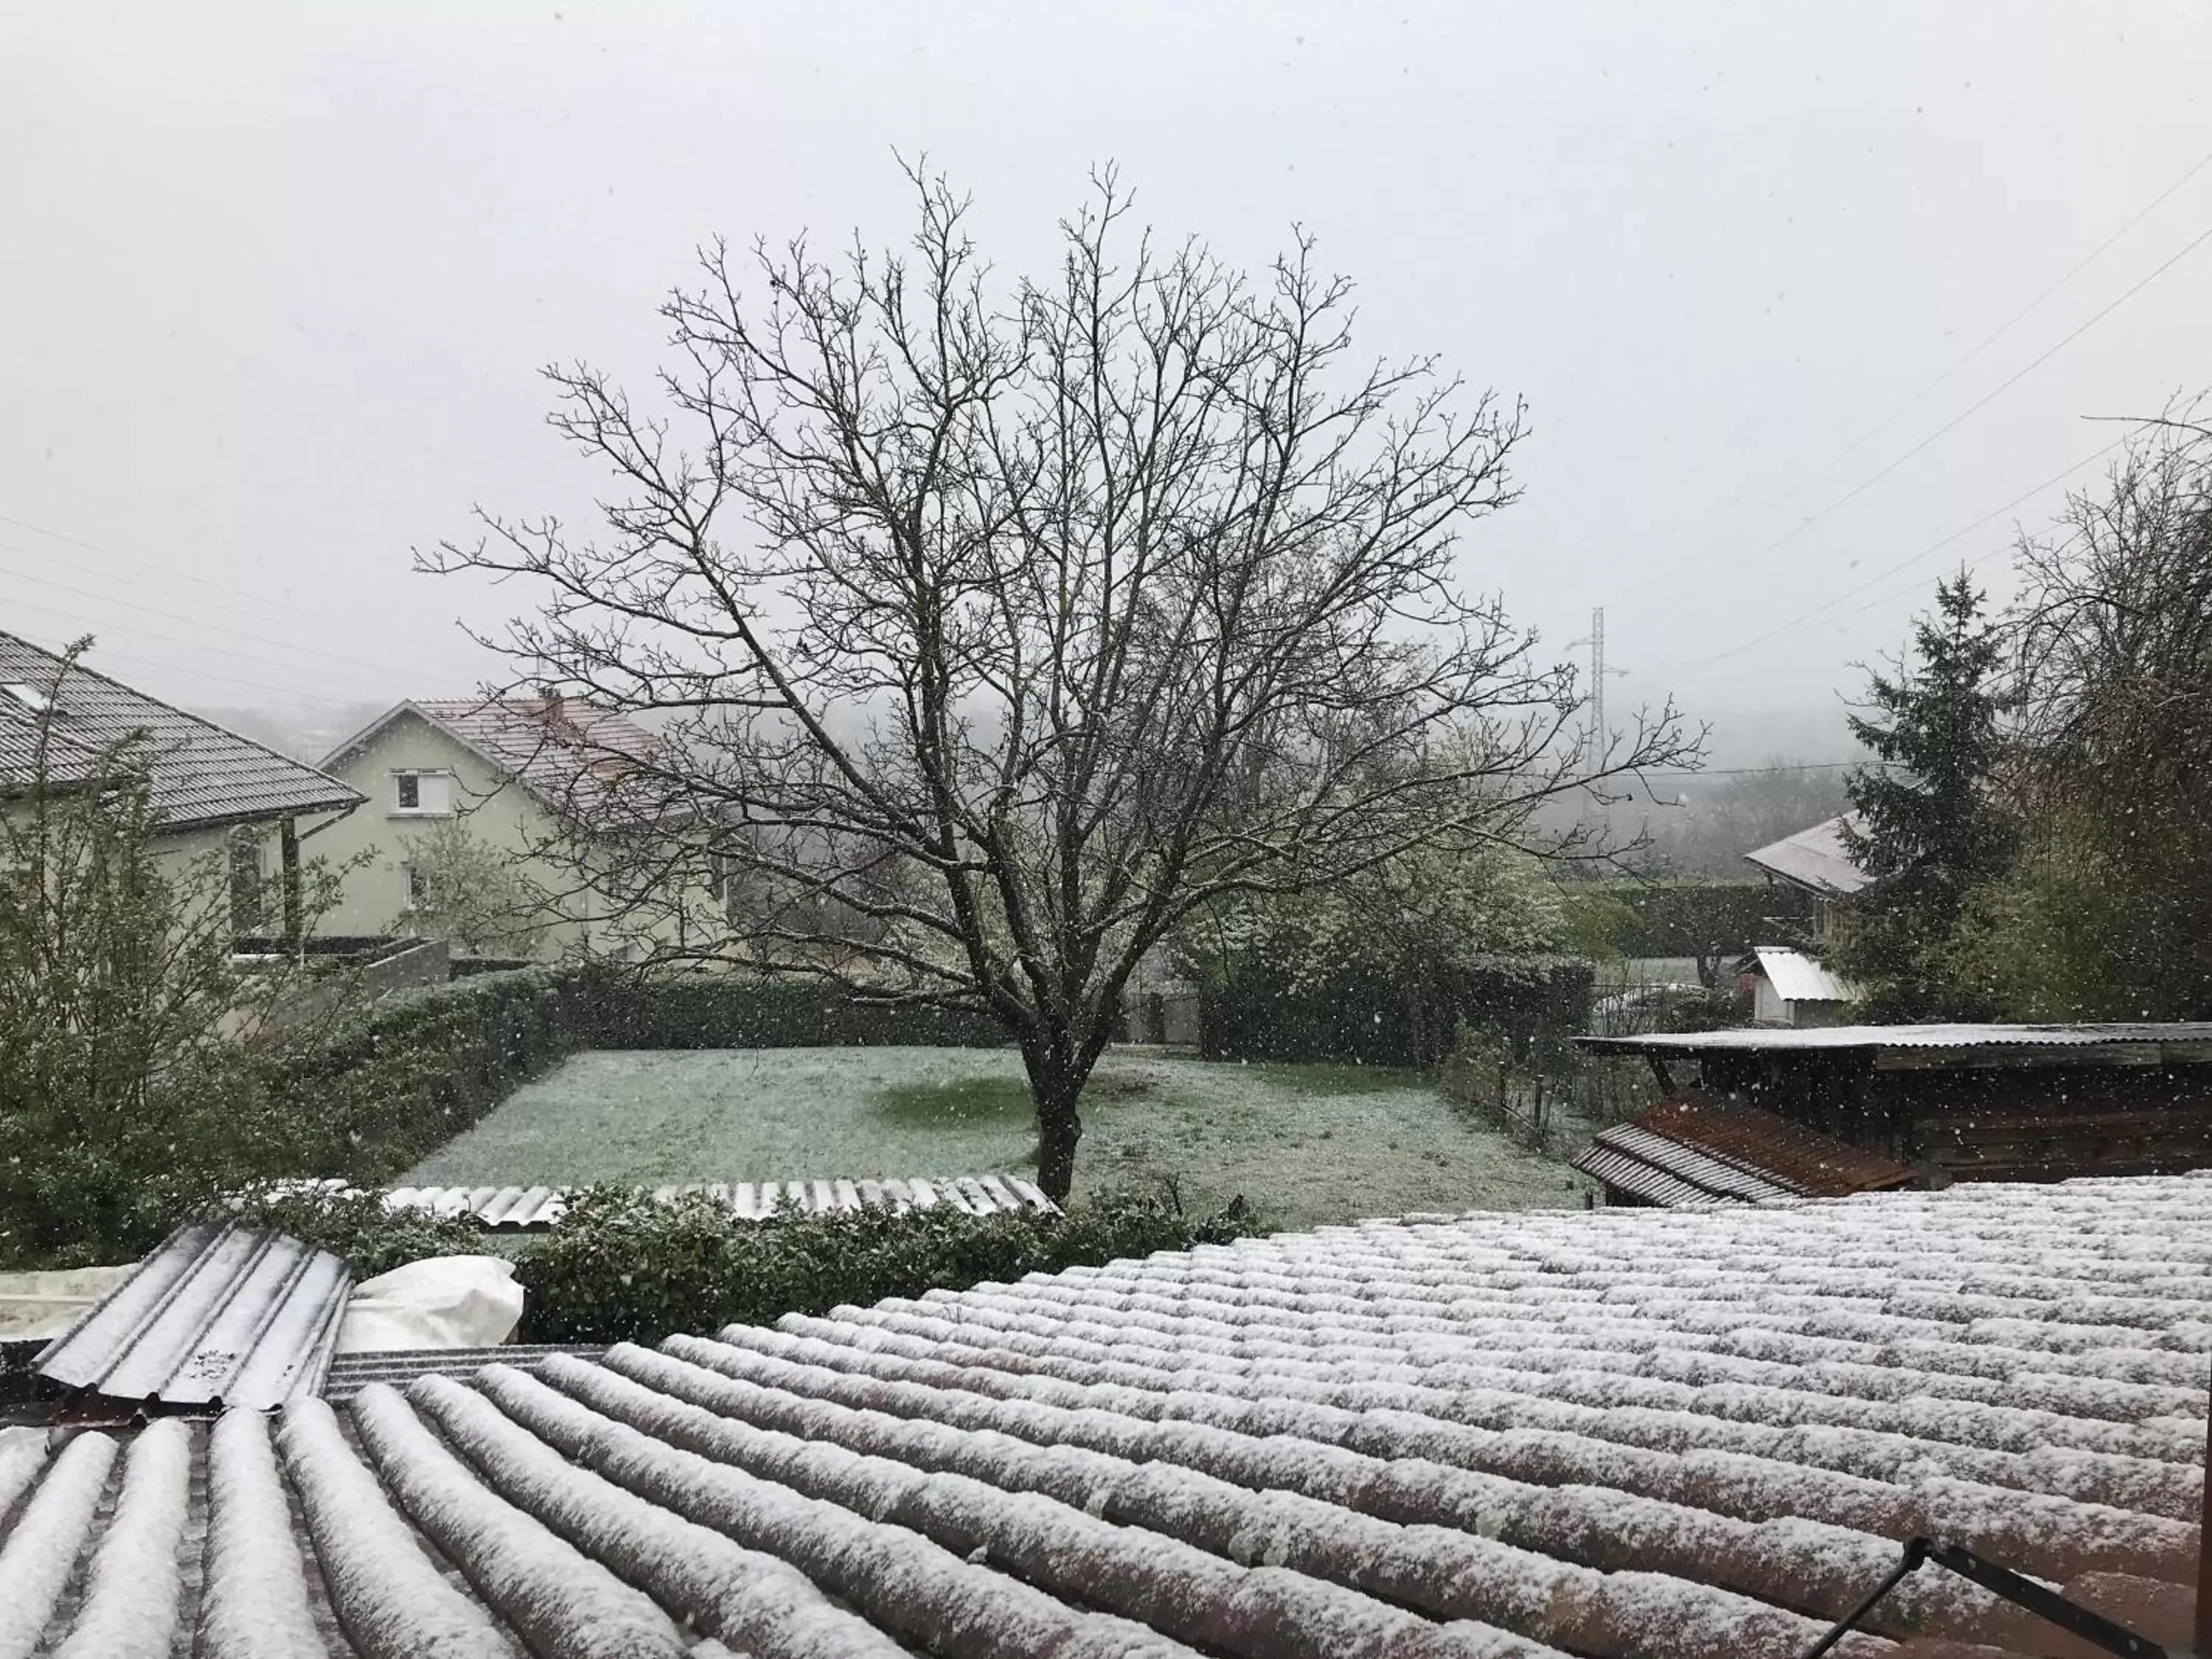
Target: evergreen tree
(1927,829)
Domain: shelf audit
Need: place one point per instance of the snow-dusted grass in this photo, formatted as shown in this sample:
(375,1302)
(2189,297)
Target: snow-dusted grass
(1306,1145)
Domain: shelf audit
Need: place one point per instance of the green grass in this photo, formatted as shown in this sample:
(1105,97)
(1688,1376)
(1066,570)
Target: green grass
(1305,1144)
(959,1099)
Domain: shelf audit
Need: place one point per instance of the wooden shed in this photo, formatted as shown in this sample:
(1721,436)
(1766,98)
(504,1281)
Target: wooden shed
(1967,1102)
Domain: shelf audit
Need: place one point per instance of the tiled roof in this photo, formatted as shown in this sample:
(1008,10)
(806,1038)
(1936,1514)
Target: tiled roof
(1814,858)
(1654,1434)
(572,756)
(1702,1149)
(203,776)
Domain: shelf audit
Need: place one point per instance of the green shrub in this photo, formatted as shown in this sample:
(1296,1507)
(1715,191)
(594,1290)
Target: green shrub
(613,1007)
(356,1225)
(623,1266)
(1372,1018)
(406,1073)
(1704,918)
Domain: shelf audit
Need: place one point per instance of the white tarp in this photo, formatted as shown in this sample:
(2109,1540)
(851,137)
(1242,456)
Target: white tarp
(47,1304)
(445,1302)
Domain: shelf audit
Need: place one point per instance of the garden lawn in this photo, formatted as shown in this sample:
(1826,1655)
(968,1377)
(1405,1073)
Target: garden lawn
(1304,1145)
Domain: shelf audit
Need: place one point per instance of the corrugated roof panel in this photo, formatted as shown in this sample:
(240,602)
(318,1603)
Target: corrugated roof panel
(1618,1171)
(202,775)
(1797,977)
(1709,1174)
(220,1312)
(1801,1159)
(1786,1039)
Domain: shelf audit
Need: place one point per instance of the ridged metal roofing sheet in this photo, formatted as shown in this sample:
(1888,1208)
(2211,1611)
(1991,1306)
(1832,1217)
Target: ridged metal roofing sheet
(1797,977)
(1720,1149)
(219,1313)
(1773,1039)
(202,775)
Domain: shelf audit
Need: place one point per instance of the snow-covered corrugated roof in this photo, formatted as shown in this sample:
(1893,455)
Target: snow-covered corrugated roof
(1640,1434)
(1814,858)
(2179,1040)
(1797,977)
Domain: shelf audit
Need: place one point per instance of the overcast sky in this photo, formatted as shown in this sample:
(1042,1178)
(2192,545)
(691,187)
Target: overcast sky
(275,280)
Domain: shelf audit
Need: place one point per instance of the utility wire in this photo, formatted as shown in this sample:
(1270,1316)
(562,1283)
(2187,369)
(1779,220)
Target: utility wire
(320,652)
(160,570)
(1958,420)
(1818,610)
(1997,333)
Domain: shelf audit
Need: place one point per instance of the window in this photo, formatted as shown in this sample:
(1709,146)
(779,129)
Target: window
(247,912)
(418,890)
(28,696)
(428,794)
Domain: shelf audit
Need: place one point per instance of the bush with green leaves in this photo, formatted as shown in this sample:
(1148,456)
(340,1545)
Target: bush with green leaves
(405,1074)
(612,1007)
(624,1266)
(357,1225)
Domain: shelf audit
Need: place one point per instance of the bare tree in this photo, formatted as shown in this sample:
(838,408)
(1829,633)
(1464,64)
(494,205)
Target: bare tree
(1017,621)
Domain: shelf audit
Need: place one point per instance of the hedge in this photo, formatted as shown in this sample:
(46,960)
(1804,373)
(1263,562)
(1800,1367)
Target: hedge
(613,1007)
(1370,1018)
(1707,918)
(623,1266)
(408,1071)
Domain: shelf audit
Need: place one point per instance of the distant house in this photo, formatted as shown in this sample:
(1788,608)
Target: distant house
(1780,985)
(1817,861)
(565,790)
(213,792)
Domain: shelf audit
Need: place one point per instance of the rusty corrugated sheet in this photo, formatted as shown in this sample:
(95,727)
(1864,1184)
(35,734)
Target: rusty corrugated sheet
(532,1209)
(220,1313)
(1713,1149)
(1621,1174)
(1804,1161)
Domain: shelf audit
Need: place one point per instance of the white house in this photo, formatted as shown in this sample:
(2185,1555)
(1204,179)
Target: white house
(551,783)
(212,790)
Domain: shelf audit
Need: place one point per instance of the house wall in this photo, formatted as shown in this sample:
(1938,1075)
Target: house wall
(498,813)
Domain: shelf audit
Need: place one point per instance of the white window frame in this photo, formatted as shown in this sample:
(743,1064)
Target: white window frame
(420,773)
(409,899)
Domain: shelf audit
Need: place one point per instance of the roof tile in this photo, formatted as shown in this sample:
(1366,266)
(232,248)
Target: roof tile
(203,776)
(1641,1434)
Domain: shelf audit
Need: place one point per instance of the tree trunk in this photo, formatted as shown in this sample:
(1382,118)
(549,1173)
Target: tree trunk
(1059,1128)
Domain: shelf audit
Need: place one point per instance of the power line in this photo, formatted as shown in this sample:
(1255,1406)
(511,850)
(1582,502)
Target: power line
(1956,421)
(103,656)
(1761,771)
(2000,331)
(1915,558)
(160,570)
(321,653)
